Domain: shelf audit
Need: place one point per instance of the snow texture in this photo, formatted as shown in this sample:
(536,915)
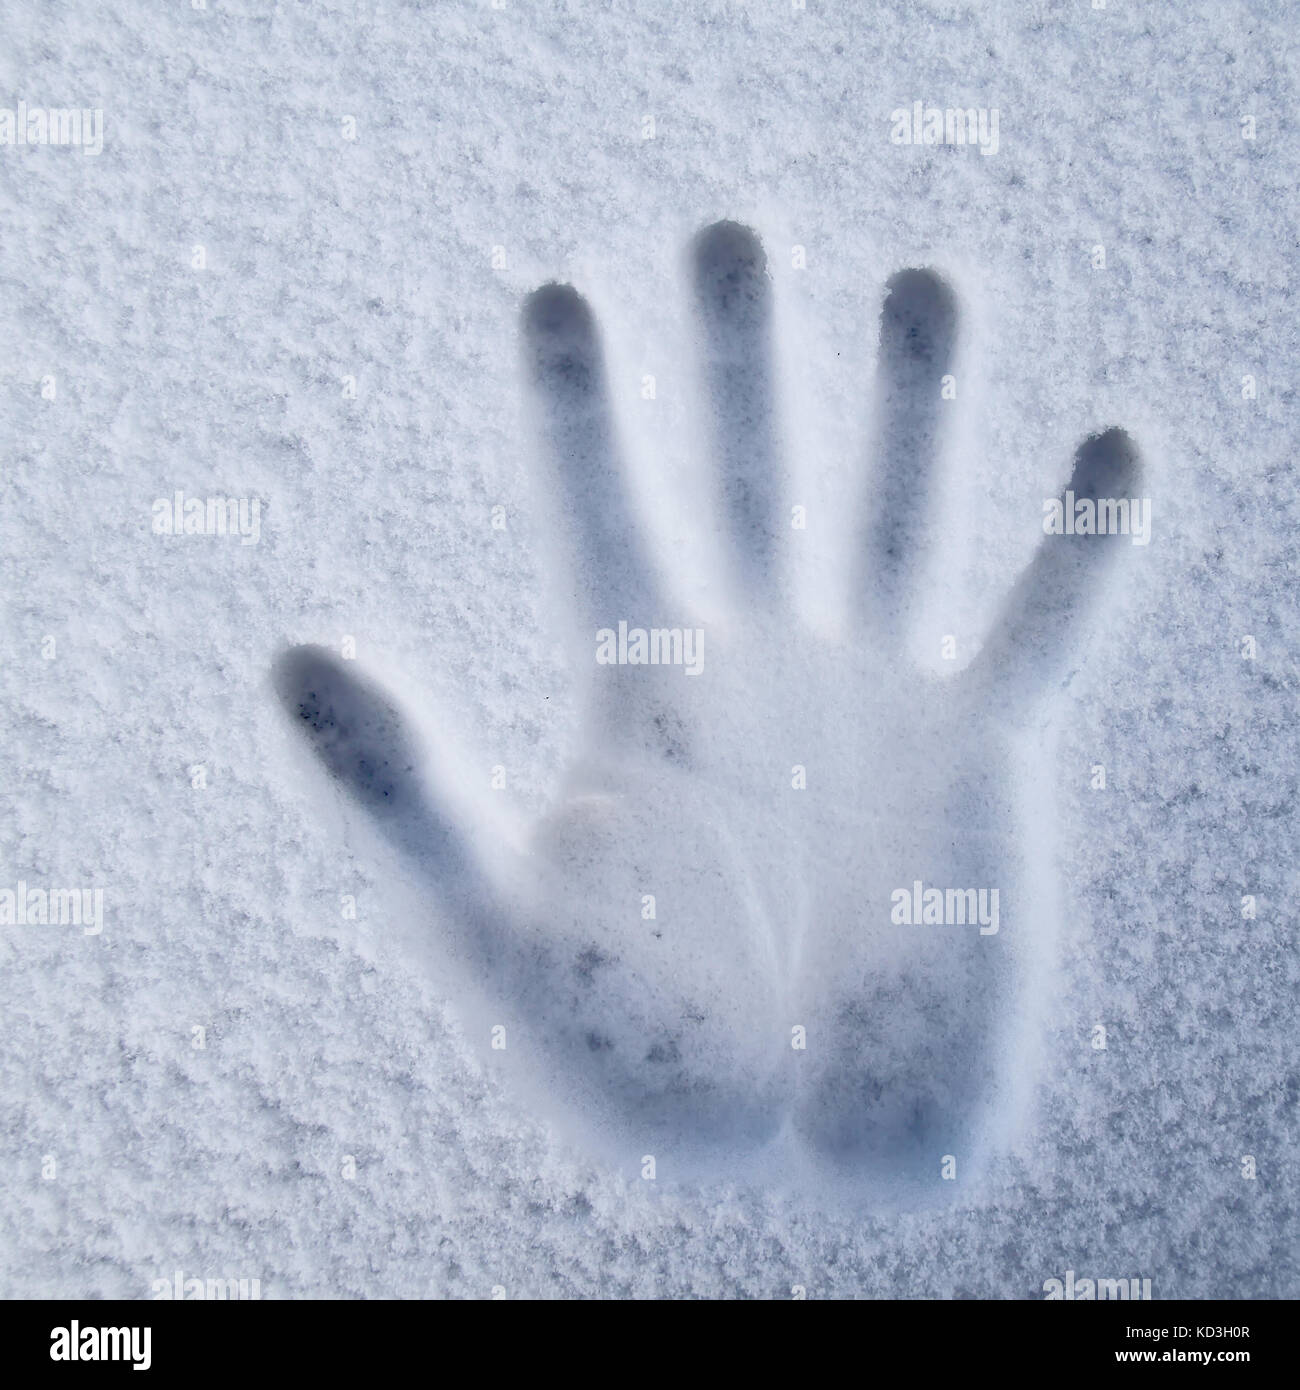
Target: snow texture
(518,323)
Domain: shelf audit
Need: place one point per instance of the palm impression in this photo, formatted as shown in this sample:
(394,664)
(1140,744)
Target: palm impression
(752,930)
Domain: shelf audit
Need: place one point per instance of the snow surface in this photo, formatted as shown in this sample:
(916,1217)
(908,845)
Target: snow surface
(333,1044)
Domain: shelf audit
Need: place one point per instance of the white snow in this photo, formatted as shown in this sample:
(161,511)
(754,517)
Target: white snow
(347,1129)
